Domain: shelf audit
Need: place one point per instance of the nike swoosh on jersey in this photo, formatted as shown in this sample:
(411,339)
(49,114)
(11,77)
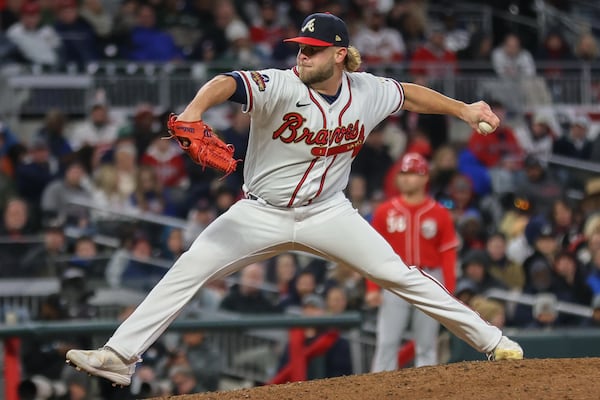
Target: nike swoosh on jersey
(298,104)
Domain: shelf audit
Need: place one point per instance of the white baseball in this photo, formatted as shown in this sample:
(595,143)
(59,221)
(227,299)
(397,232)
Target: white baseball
(485,127)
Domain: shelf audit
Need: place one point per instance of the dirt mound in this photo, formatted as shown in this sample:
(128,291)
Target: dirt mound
(548,379)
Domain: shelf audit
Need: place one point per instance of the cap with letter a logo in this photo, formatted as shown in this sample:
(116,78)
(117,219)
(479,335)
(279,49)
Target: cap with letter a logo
(322,29)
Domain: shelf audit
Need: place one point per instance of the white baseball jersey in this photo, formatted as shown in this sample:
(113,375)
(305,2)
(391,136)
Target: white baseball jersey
(301,147)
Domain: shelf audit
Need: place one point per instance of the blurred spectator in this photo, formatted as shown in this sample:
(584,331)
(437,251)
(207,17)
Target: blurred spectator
(461,197)
(304,284)
(172,244)
(539,187)
(324,353)
(517,70)
(53,131)
(147,42)
(85,257)
(508,272)
(37,43)
(465,290)
(590,203)
(281,272)
(298,10)
(470,228)
(184,381)
(201,214)
(267,30)
(149,195)
(511,61)
(444,166)
(15,227)
(16,219)
(166,158)
(541,238)
(490,150)
(35,172)
(476,267)
(284,53)
(47,259)
(98,17)
(576,144)
(224,197)
(58,194)
(351,282)
(336,300)
(570,285)
(457,37)
(565,222)
(541,135)
(184,25)
(410,18)
(124,20)
(373,161)
(79,41)
(248,295)
(477,173)
(140,271)
(142,129)
(478,52)
(357,194)
(125,156)
(586,47)
(108,200)
(433,59)
(377,42)
(554,50)
(9,14)
(98,131)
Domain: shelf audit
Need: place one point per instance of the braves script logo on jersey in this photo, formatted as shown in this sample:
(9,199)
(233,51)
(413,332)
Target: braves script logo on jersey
(290,132)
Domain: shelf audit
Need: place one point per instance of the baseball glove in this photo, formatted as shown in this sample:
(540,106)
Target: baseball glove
(200,143)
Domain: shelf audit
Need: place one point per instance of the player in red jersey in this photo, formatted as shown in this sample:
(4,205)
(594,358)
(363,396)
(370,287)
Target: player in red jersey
(422,233)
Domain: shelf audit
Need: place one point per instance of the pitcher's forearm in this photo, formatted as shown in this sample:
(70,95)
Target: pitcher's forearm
(214,92)
(421,99)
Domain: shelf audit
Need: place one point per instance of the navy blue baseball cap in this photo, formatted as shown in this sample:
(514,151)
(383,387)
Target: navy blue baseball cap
(322,29)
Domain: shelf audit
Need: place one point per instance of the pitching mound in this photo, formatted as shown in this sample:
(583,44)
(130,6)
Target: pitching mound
(548,379)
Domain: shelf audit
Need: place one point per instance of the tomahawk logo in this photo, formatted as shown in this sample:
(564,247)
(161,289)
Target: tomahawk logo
(310,26)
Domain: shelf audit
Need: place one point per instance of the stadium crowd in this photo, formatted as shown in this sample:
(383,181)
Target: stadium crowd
(525,225)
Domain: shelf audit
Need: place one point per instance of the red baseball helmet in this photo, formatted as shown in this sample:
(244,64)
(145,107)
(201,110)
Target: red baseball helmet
(414,163)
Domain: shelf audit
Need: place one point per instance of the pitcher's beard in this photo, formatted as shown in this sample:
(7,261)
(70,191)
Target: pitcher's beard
(316,76)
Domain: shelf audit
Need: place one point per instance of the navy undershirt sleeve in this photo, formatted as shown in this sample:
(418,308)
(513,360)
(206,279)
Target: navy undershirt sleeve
(240,95)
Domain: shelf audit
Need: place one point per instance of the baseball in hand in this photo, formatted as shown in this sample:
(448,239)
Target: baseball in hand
(485,128)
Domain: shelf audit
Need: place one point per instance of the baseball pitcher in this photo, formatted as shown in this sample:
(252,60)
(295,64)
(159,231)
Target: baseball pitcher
(307,125)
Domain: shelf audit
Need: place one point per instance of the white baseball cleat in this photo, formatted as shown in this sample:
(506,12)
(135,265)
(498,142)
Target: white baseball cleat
(506,349)
(103,362)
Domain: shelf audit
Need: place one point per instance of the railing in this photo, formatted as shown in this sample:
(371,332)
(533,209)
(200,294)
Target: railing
(237,335)
(168,85)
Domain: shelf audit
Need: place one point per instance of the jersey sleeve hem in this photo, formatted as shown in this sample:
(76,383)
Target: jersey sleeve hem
(250,99)
(401,90)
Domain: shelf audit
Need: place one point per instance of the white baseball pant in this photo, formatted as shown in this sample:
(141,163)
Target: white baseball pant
(251,231)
